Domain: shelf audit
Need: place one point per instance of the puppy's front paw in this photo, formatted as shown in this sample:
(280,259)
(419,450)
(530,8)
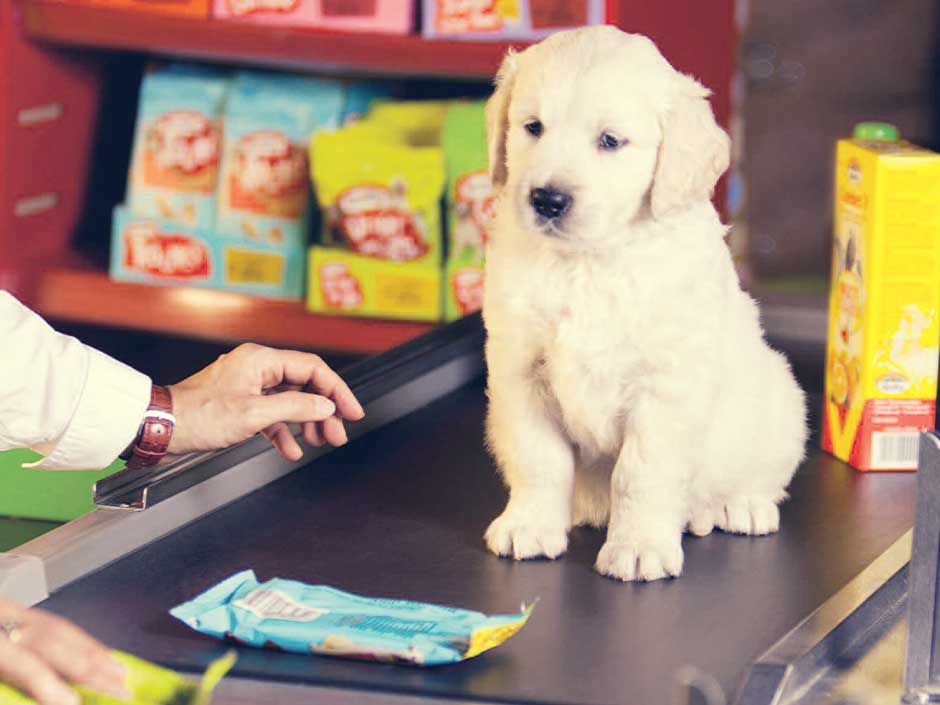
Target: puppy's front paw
(523,534)
(640,560)
(754,516)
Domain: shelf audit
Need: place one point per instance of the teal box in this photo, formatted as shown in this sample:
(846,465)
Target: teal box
(264,188)
(177,144)
(154,251)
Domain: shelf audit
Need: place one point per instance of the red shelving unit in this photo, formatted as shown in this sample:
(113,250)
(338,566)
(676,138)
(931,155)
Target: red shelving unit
(71,23)
(77,293)
(43,164)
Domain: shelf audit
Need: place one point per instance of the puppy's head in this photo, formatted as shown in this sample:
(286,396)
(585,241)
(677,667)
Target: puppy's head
(592,129)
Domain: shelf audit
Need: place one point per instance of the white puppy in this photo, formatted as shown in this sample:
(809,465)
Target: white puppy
(629,381)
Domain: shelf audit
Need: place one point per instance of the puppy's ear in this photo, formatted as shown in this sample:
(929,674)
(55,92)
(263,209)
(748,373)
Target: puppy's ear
(694,152)
(497,119)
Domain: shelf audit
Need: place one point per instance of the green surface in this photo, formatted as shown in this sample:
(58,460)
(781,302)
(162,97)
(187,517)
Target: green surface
(16,532)
(809,284)
(43,494)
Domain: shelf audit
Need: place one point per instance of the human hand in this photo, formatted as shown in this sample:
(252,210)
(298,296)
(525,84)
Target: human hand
(259,389)
(42,655)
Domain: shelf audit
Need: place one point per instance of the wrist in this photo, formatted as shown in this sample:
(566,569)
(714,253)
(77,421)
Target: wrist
(155,433)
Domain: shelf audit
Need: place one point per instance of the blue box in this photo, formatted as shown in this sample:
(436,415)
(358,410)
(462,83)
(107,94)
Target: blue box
(153,251)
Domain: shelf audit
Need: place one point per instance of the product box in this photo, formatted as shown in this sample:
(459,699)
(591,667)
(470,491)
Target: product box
(881,364)
(153,251)
(175,162)
(470,196)
(182,8)
(511,19)
(384,16)
(344,283)
(379,183)
(463,288)
(264,188)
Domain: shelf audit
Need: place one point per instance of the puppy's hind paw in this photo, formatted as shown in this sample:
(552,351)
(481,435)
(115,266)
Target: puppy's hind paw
(631,560)
(753,516)
(520,537)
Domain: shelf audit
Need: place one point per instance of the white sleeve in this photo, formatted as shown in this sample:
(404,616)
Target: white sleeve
(73,404)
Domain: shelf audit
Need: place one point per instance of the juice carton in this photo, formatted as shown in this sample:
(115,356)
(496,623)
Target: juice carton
(263,188)
(175,163)
(347,284)
(881,363)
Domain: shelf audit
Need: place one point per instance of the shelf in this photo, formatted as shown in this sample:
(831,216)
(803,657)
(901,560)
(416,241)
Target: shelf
(81,295)
(74,23)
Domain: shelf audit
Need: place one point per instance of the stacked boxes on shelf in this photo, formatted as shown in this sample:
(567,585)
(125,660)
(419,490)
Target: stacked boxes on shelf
(224,208)
(219,194)
(380,184)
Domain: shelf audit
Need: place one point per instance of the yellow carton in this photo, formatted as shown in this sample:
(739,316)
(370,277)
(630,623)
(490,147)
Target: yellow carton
(348,284)
(881,362)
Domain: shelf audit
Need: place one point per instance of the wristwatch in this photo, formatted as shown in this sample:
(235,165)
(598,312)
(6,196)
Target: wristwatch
(153,437)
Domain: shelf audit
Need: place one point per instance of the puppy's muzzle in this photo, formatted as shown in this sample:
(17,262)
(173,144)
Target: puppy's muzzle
(549,202)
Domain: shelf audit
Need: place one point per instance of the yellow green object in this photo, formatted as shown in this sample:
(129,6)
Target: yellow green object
(343,283)
(379,183)
(876,131)
(148,684)
(43,494)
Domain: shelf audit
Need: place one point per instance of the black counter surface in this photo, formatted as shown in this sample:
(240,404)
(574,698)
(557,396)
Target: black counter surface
(401,513)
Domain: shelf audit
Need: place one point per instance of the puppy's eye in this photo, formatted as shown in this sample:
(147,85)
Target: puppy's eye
(609,143)
(534,128)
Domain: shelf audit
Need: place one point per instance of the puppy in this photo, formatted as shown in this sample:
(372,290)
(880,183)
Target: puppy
(629,382)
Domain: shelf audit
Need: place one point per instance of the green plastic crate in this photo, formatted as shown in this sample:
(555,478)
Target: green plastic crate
(60,495)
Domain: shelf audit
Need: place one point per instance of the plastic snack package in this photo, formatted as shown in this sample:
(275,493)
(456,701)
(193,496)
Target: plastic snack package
(300,618)
(379,184)
(175,163)
(269,119)
(148,684)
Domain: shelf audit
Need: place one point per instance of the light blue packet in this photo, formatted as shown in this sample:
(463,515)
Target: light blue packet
(305,619)
(264,185)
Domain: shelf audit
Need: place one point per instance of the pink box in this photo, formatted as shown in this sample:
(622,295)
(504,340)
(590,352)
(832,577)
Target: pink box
(386,16)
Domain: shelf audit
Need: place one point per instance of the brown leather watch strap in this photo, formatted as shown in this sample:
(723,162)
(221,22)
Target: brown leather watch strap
(153,439)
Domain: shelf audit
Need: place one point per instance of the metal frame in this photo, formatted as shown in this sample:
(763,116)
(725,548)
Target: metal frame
(390,386)
(864,609)
(922,661)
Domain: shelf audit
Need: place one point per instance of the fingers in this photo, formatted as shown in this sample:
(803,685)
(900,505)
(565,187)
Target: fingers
(28,674)
(313,433)
(51,652)
(290,407)
(334,432)
(294,367)
(281,438)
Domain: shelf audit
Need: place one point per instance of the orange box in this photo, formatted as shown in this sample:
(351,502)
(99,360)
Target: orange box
(182,8)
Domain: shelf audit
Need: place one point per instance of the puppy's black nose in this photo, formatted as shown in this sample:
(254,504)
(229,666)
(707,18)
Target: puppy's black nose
(549,202)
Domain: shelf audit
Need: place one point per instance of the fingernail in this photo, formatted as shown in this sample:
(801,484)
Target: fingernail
(329,408)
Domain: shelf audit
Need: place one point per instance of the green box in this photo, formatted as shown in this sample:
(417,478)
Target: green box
(59,495)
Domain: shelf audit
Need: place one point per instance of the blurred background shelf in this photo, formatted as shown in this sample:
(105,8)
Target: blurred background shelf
(66,23)
(79,294)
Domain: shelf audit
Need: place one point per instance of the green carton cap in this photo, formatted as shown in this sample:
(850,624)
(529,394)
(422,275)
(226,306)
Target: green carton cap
(876,131)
